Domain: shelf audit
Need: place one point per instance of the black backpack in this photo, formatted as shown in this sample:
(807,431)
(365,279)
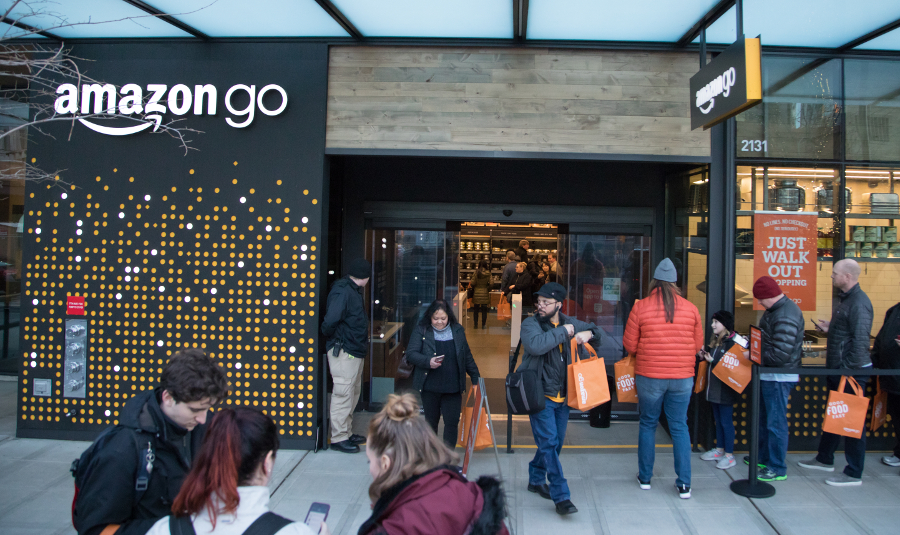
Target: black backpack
(267,524)
(143,445)
(524,388)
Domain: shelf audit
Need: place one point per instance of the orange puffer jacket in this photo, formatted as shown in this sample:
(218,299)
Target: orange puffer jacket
(664,350)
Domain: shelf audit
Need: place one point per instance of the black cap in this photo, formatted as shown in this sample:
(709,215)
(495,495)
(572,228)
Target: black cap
(552,290)
(360,269)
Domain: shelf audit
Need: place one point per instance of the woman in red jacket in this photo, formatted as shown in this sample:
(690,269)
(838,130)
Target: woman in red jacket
(664,332)
(416,488)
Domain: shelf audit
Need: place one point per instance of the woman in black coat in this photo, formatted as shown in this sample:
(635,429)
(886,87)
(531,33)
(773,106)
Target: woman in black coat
(886,356)
(721,397)
(442,358)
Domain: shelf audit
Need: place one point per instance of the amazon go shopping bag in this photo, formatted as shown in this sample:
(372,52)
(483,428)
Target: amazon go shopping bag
(846,413)
(879,408)
(587,386)
(734,369)
(504,312)
(483,435)
(700,382)
(625,390)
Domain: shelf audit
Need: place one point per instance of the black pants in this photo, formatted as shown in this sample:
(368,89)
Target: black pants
(601,415)
(854,448)
(483,309)
(449,406)
(893,409)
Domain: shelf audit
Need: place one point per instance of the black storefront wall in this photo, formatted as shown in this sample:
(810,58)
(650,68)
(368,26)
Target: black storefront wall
(221,248)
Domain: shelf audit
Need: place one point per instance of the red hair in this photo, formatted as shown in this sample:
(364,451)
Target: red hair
(236,443)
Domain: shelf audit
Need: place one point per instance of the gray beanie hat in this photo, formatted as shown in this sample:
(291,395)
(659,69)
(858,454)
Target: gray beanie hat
(665,271)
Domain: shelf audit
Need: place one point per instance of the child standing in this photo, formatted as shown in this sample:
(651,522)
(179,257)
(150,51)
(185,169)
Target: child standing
(721,397)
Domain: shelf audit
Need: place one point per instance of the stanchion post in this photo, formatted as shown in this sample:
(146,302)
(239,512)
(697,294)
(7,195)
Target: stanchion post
(752,487)
(513,356)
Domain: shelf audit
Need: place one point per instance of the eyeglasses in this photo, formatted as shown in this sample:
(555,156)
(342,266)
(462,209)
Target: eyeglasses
(545,304)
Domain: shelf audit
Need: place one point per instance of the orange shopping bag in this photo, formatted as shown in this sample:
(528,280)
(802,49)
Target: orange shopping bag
(846,413)
(700,382)
(504,312)
(483,435)
(625,390)
(587,384)
(734,369)
(879,407)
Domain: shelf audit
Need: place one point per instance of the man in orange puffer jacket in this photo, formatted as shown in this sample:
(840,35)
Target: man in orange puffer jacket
(665,333)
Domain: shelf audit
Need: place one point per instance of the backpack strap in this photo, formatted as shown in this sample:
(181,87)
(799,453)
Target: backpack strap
(267,524)
(146,456)
(181,525)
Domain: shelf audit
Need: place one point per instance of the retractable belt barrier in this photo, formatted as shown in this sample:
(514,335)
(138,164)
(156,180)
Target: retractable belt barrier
(752,487)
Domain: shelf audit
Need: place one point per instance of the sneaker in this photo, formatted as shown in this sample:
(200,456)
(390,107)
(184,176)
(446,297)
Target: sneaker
(893,460)
(747,462)
(645,485)
(684,492)
(813,464)
(712,455)
(726,462)
(766,474)
(844,480)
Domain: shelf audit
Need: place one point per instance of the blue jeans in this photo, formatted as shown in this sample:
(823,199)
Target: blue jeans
(854,448)
(673,395)
(773,425)
(549,429)
(724,417)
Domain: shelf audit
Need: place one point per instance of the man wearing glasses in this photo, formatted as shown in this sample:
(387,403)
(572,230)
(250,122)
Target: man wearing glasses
(545,339)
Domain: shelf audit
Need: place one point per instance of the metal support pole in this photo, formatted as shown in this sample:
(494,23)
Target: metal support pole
(5,331)
(752,487)
(739,15)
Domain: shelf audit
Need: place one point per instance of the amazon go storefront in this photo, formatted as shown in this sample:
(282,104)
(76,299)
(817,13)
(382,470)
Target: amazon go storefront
(427,161)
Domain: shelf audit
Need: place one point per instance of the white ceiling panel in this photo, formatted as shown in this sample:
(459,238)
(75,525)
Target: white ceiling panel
(486,19)
(90,18)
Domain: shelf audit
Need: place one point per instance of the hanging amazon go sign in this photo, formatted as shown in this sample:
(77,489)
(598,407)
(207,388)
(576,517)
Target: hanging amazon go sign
(726,86)
(784,248)
(103,100)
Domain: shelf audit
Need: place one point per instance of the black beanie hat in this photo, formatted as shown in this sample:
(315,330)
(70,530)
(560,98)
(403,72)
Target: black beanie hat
(726,319)
(360,269)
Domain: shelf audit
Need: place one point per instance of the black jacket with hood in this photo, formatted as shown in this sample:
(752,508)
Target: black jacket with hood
(885,352)
(782,335)
(848,333)
(346,319)
(541,345)
(716,390)
(108,492)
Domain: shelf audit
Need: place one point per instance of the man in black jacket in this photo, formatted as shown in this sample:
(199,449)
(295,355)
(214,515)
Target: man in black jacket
(164,427)
(346,326)
(886,355)
(782,344)
(848,349)
(546,339)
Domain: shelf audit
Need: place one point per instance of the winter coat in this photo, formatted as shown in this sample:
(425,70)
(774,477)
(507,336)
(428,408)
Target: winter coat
(782,335)
(663,350)
(848,333)
(107,495)
(440,501)
(886,353)
(540,343)
(346,318)
(522,254)
(508,276)
(482,288)
(716,390)
(523,282)
(421,350)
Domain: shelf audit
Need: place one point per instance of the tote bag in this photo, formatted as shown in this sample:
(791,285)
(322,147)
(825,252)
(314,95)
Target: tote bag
(483,435)
(879,408)
(625,390)
(587,384)
(734,369)
(846,413)
(700,383)
(504,312)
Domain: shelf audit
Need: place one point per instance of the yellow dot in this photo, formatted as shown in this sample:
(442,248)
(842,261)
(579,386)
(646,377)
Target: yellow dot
(98,179)
(235,163)
(235,180)
(305,192)
(278,182)
(56,177)
(115,170)
(191,171)
(35,159)
(315,201)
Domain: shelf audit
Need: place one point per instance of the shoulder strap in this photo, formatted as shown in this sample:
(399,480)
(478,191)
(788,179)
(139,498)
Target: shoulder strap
(146,456)
(267,524)
(515,357)
(181,525)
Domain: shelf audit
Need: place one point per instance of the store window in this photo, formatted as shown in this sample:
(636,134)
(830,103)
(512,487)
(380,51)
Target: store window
(691,234)
(873,109)
(799,116)
(13,145)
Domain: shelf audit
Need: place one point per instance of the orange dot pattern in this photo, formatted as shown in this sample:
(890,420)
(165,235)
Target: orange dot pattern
(231,269)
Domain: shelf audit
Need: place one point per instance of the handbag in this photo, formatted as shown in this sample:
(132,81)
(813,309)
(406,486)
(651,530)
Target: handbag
(625,390)
(734,369)
(404,369)
(483,434)
(504,311)
(524,389)
(879,407)
(587,385)
(700,382)
(846,413)
(470,291)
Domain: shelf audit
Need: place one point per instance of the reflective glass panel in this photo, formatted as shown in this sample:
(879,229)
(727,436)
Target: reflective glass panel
(13,148)
(428,18)
(12,32)
(888,41)
(91,18)
(872,101)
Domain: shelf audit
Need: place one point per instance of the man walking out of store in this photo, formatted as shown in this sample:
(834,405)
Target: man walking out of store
(848,349)
(782,344)
(346,326)
(546,342)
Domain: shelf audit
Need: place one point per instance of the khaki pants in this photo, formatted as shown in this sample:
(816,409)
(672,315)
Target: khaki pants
(347,374)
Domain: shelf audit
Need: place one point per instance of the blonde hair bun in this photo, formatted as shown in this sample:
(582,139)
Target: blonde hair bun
(401,408)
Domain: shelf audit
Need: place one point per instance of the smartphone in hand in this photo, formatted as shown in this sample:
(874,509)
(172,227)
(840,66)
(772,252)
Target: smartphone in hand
(816,325)
(316,516)
(439,358)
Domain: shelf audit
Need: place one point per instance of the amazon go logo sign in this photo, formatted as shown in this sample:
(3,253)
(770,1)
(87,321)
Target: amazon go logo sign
(241,101)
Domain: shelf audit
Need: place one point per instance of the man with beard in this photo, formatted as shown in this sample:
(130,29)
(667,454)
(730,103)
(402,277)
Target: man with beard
(545,339)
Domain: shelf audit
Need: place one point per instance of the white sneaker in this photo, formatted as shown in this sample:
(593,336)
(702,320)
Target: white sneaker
(726,462)
(893,460)
(712,455)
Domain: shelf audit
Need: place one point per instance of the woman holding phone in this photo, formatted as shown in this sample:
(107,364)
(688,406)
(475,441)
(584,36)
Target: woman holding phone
(442,358)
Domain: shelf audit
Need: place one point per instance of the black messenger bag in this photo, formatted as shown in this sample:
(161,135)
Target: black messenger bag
(524,389)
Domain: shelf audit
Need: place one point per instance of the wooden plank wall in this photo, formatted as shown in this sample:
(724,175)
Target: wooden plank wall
(550,100)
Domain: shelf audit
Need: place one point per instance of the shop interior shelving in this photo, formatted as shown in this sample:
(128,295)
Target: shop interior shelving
(499,240)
